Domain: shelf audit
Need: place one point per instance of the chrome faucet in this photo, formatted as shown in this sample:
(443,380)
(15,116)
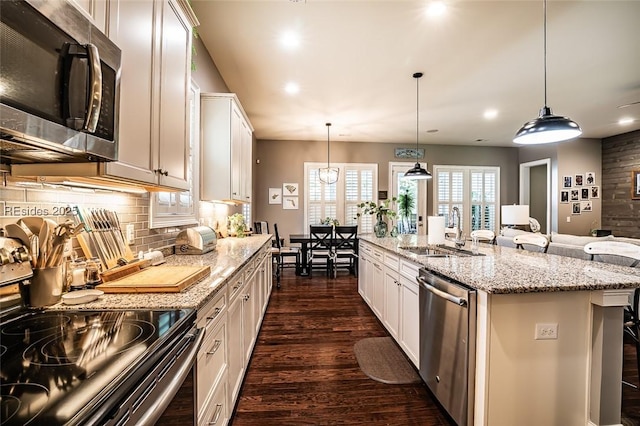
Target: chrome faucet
(459,241)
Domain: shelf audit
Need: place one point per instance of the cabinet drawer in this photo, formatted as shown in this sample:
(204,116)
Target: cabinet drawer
(365,248)
(213,311)
(391,260)
(211,363)
(409,269)
(378,255)
(216,410)
(234,287)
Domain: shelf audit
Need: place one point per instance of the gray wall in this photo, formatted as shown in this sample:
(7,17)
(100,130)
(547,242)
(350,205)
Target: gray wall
(283,161)
(538,196)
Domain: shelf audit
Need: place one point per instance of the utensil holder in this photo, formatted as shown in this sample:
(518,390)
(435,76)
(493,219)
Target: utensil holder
(46,286)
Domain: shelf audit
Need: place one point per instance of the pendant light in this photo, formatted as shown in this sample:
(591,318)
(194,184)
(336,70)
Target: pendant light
(547,128)
(417,172)
(328,174)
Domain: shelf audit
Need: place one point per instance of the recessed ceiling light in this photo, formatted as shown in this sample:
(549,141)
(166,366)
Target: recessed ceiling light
(625,121)
(436,8)
(290,40)
(292,88)
(490,114)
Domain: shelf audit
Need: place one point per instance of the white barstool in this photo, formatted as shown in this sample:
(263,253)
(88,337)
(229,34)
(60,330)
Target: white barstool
(537,240)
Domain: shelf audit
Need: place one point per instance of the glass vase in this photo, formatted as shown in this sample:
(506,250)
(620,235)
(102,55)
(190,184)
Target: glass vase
(380,228)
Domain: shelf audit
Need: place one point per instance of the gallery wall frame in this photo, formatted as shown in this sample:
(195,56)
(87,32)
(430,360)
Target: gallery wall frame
(635,185)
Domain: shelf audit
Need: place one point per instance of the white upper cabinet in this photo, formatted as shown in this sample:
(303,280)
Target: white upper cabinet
(97,10)
(155,38)
(225,149)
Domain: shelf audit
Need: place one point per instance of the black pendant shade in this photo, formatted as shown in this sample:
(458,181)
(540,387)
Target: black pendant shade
(417,172)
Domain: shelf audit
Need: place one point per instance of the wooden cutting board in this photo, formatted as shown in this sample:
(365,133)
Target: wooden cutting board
(157,279)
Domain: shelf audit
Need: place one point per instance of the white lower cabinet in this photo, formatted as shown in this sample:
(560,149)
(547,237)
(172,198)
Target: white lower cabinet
(409,337)
(211,363)
(392,293)
(388,285)
(236,351)
(248,295)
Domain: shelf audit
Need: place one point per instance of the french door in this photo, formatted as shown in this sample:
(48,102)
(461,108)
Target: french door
(417,189)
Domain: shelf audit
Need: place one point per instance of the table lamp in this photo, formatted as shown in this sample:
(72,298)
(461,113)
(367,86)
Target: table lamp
(514,215)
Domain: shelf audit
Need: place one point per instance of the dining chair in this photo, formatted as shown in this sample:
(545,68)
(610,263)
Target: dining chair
(321,252)
(346,247)
(484,235)
(280,253)
(531,242)
(607,251)
(261,227)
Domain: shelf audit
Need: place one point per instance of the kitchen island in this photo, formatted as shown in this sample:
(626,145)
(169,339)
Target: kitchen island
(574,379)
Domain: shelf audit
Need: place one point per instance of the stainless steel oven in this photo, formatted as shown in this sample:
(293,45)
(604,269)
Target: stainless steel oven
(94,367)
(59,85)
(447,343)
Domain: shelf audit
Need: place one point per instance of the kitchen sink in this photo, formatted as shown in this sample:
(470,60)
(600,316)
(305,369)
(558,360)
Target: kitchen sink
(440,251)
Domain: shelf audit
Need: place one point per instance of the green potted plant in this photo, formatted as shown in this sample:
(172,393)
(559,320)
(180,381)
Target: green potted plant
(406,203)
(382,212)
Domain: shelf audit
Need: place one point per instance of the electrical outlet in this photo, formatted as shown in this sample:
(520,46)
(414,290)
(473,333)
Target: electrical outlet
(130,233)
(546,331)
(568,219)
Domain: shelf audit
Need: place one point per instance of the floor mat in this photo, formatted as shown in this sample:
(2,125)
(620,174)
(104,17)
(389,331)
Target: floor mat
(382,360)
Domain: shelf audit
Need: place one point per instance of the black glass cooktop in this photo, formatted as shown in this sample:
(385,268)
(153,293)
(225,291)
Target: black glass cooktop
(56,367)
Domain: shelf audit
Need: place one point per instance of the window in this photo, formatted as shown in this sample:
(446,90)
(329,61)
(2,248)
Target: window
(356,183)
(474,190)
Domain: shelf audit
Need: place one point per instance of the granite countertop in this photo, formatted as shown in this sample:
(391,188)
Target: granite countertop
(506,270)
(229,256)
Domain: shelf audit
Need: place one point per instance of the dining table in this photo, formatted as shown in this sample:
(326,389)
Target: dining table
(304,240)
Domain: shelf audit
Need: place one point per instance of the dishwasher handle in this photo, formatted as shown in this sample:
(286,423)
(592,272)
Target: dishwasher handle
(460,301)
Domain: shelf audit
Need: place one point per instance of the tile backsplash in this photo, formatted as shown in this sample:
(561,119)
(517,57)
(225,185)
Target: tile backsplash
(54,202)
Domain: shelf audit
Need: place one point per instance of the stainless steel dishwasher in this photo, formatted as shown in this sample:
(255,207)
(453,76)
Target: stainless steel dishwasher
(447,343)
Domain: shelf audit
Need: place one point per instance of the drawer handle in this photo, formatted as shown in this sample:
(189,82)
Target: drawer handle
(216,415)
(216,312)
(216,346)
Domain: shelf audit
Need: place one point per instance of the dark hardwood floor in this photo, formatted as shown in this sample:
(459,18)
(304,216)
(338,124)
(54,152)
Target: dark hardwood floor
(304,370)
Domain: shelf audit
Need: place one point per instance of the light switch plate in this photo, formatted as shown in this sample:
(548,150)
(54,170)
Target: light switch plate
(130,233)
(546,331)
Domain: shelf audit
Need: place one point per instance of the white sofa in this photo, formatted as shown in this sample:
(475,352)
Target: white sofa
(568,245)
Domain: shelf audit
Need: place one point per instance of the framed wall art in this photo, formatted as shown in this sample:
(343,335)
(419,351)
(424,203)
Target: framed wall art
(564,196)
(289,189)
(595,192)
(635,185)
(579,179)
(289,203)
(275,195)
(567,181)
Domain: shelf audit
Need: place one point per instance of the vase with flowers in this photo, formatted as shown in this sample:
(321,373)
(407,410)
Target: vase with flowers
(382,212)
(237,225)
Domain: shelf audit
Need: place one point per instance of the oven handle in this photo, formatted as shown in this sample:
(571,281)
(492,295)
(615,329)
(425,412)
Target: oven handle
(164,399)
(460,301)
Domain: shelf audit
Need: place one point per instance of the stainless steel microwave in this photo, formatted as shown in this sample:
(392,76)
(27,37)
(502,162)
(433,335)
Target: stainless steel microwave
(59,85)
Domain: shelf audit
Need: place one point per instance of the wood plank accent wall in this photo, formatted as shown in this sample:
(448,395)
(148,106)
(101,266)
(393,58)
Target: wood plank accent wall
(620,155)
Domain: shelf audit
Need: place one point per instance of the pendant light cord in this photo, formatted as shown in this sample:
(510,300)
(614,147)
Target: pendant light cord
(417,77)
(328,126)
(544,29)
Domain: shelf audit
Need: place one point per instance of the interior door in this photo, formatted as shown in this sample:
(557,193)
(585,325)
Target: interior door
(418,188)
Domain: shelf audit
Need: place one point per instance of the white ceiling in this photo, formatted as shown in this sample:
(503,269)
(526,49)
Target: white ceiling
(356,58)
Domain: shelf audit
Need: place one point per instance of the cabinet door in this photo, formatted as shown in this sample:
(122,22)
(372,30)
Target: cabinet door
(249,316)
(175,77)
(247,162)
(410,319)
(236,352)
(392,290)
(237,160)
(378,289)
(134,34)
(97,10)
